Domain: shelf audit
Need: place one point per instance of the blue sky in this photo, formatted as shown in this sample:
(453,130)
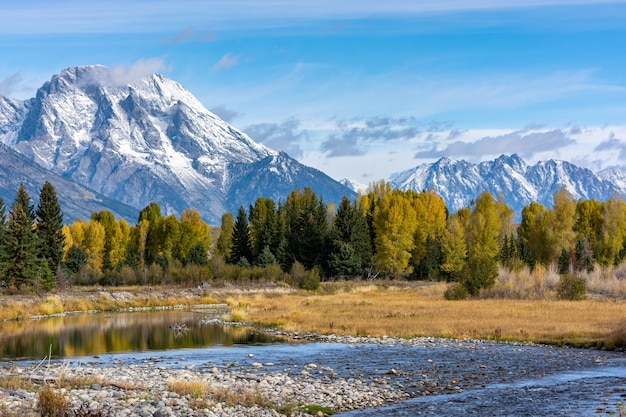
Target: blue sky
(359,89)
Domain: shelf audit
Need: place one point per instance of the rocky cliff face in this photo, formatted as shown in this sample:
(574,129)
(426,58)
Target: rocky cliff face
(147,140)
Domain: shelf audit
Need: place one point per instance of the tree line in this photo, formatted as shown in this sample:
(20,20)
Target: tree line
(384,233)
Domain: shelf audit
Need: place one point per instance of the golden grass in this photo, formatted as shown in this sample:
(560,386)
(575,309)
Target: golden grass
(410,312)
(193,388)
(88,299)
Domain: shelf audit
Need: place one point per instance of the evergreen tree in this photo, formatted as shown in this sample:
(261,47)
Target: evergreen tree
(266,257)
(349,241)
(263,226)
(242,246)
(197,255)
(75,259)
(151,214)
(50,227)
(3,233)
(345,262)
(23,200)
(429,266)
(22,246)
(306,227)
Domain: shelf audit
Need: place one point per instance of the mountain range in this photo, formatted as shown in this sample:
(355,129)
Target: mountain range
(114,144)
(459,182)
(131,143)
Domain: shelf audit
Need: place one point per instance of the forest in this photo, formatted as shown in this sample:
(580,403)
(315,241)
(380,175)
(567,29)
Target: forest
(384,234)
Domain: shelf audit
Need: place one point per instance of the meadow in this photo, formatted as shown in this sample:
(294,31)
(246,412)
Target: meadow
(521,307)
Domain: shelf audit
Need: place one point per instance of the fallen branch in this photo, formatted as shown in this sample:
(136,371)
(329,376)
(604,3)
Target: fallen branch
(14,393)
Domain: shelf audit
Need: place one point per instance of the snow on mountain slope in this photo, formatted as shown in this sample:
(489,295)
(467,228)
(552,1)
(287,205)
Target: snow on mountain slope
(147,140)
(460,182)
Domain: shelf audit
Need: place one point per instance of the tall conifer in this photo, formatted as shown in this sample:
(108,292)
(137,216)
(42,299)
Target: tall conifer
(50,227)
(21,268)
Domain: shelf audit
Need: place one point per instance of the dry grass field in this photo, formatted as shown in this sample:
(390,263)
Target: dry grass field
(392,308)
(406,311)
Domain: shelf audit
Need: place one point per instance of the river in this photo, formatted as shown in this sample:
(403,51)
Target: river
(443,377)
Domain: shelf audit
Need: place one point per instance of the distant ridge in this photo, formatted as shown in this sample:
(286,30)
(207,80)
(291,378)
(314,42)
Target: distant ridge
(460,182)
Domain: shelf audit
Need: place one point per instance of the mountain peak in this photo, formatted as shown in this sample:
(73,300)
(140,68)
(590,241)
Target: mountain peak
(140,138)
(510,175)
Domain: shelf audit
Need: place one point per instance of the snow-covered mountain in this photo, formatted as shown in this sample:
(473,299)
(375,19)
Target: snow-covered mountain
(459,182)
(149,140)
(355,186)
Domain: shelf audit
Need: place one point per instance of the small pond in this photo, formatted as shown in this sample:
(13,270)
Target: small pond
(102,333)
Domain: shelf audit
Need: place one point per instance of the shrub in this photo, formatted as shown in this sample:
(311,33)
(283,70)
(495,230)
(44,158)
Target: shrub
(52,404)
(456,292)
(571,287)
(311,280)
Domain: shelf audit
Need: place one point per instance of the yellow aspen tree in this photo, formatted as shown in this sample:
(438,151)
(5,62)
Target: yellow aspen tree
(481,236)
(454,249)
(613,230)
(143,226)
(77,232)
(193,231)
(93,244)
(430,212)
(395,223)
(564,208)
(69,242)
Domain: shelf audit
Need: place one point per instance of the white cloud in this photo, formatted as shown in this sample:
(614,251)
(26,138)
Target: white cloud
(227,61)
(10,83)
(122,75)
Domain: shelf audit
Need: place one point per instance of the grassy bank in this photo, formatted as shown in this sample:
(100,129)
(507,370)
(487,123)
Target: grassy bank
(17,307)
(422,311)
(392,309)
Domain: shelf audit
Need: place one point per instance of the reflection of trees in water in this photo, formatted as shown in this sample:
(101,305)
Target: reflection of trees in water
(93,334)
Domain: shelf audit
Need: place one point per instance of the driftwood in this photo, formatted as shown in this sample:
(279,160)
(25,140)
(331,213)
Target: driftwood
(14,393)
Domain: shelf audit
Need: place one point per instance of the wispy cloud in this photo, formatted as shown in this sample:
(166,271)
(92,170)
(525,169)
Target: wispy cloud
(189,34)
(122,75)
(522,142)
(353,136)
(225,113)
(227,61)
(286,136)
(612,143)
(10,84)
(73,16)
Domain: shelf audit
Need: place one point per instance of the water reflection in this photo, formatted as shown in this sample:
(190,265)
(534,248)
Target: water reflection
(94,334)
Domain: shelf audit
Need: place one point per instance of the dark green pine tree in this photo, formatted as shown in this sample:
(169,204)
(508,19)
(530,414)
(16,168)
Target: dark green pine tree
(3,233)
(242,246)
(429,266)
(197,255)
(22,265)
(350,248)
(76,258)
(306,227)
(49,227)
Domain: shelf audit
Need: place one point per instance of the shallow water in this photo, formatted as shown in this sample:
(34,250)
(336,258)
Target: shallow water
(96,334)
(452,378)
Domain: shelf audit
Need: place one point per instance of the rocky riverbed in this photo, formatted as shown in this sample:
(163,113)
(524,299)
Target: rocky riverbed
(378,376)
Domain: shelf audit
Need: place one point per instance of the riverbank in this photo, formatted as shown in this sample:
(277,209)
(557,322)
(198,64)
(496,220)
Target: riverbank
(396,308)
(329,374)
